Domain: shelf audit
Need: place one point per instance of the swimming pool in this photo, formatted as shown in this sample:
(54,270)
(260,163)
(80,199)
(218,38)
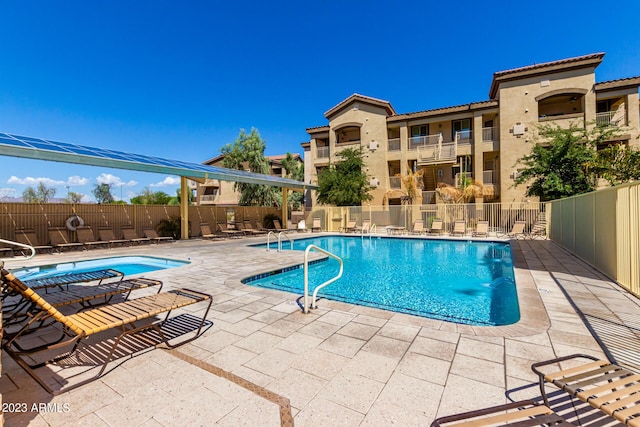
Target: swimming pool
(468,282)
(125,264)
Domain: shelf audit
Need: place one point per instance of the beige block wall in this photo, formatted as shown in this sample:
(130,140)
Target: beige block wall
(518,105)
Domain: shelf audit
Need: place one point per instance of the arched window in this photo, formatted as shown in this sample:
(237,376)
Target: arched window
(561,103)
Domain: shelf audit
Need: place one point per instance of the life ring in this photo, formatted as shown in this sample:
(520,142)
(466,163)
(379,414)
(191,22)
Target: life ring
(74,221)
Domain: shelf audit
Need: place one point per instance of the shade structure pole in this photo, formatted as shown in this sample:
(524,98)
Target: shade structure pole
(184,209)
(285,214)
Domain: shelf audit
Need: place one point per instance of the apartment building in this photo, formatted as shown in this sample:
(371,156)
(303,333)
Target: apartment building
(480,140)
(221,193)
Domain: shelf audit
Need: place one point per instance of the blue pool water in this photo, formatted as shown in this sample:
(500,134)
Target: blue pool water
(125,264)
(458,281)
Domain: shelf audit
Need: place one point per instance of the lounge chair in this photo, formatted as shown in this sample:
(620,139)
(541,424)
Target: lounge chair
(226,231)
(350,227)
(316,225)
(76,327)
(603,385)
(518,230)
(436,226)
(418,227)
(29,237)
(539,229)
(107,235)
(364,228)
(151,234)
(129,233)
(59,240)
(276,224)
(87,238)
(482,229)
(523,413)
(459,228)
(247,227)
(206,233)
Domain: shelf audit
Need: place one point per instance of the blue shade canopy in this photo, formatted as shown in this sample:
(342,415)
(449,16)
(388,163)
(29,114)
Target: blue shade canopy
(43,149)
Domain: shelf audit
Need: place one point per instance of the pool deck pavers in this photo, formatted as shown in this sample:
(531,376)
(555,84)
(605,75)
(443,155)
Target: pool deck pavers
(263,362)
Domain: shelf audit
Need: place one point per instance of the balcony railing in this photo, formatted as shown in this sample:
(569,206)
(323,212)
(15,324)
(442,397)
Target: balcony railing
(489,134)
(395,182)
(323,152)
(208,198)
(464,137)
(416,142)
(394,144)
(610,118)
(489,177)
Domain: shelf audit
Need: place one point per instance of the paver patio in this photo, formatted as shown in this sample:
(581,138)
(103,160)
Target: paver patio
(263,362)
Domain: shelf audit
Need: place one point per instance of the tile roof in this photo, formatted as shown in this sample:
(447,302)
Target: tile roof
(618,83)
(444,110)
(364,99)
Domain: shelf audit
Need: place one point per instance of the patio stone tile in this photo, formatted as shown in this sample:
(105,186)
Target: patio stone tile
(215,341)
(371,312)
(517,367)
(267,315)
(323,412)
(342,345)
(258,342)
(298,386)
(337,318)
(478,369)
(413,395)
(251,375)
(389,347)
(464,394)
(450,337)
(282,328)
(369,320)
(573,340)
(244,327)
(299,343)
(538,339)
(230,357)
(136,408)
(352,391)
(424,368)
(370,365)
(188,411)
(434,348)
(273,362)
(254,412)
(319,329)
(358,330)
(287,307)
(527,350)
(232,316)
(321,363)
(92,420)
(400,332)
(387,414)
(480,349)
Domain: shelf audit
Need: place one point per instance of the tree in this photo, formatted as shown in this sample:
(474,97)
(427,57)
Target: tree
(294,170)
(102,193)
(344,183)
(148,197)
(74,197)
(565,164)
(619,164)
(176,200)
(248,152)
(41,194)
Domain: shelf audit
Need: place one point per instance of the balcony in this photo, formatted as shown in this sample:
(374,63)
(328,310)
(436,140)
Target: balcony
(395,182)
(489,177)
(610,118)
(322,152)
(394,144)
(208,199)
(490,134)
(464,137)
(416,142)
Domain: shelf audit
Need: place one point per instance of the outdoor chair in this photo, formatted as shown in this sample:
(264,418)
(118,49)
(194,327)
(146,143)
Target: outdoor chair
(278,226)
(29,237)
(482,229)
(129,233)
(350,227)
(107,235)
(222,228)
(59,240)
(248,228)
(75,328)
(518,230)
(364,228)
(523,413)
(437,226)
(206,233)
(539,229)
(459,228)
(87,238)
(606,387)
(316,225)
(418,227)
(153,236)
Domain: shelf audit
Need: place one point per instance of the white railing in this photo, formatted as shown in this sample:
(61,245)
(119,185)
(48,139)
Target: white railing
(394,144)
(489,134)
(416,142)
(395,182)
(464,137)
(609,118)
(268,238)
(488,177)
(280,234)
(208,197)
(322,285)
(323,152)
(20,245)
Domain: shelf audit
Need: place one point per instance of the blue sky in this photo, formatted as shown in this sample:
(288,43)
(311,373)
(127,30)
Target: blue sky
(180,79)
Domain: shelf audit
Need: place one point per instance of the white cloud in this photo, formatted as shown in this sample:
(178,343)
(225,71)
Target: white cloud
(29,180)
(107,178)
(76,180)
(170,180)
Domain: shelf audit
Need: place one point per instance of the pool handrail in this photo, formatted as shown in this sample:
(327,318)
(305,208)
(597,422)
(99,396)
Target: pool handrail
(305,309)
(21,245)
(269,235)
(282,233)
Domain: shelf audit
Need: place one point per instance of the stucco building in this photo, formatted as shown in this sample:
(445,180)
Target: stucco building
(480,140)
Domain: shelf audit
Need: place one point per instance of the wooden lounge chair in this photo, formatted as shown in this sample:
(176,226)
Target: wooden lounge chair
(459,228)
(607,387)
(225,231)
(206,233)
(418,227)
(76,327)
(151,234)
(59,240)
(278,226)
(436,226)
(482,229)
(129,233)
(316,225)
(247,227)
(29,237)
(350,227)
(523,413)
(107,235)
(87,238)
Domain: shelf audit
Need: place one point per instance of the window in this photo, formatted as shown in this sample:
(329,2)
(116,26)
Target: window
(603,106)
(463,126)
(419,130)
